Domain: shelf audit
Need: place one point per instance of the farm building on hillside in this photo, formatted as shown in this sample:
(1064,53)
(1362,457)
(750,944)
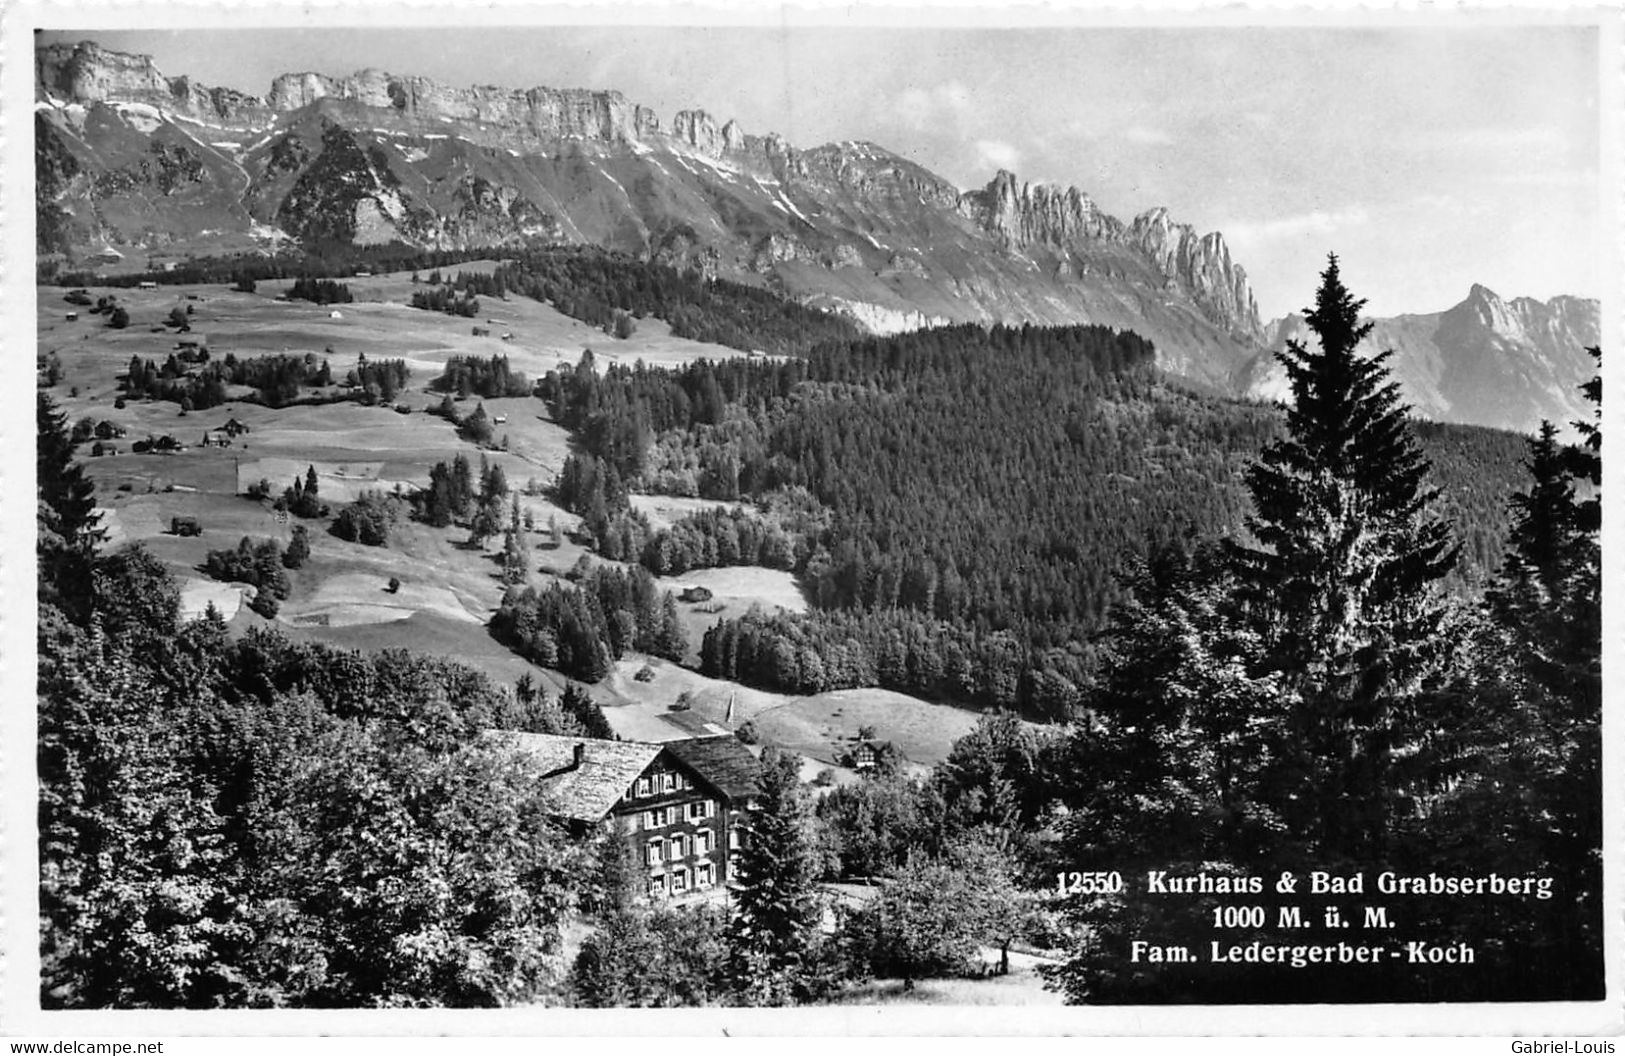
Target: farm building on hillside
(677,805)
(695,594)
(866,755)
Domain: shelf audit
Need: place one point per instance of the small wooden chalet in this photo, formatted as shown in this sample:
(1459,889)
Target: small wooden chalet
(677,805)
(866,755)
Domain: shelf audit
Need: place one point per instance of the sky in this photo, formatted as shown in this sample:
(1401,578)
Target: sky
(1427,158)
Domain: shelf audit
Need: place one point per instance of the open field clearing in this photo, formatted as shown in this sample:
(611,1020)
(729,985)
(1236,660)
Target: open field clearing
(198,594)
(434,635)
(251,324)
(542,337)
(665,510)
(733,592)
(820,727)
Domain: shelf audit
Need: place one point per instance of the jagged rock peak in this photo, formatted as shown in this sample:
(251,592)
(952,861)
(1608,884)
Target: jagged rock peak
(1047,215)
(1036,213)
(1199,263)
(698,130)
(86,72)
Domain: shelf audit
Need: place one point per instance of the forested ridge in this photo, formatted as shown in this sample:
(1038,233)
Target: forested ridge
(976,497)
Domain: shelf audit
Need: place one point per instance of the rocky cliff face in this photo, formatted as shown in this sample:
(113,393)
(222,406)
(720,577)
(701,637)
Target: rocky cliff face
(1485,361)
(1199,266)
(1023,214)
(88,73)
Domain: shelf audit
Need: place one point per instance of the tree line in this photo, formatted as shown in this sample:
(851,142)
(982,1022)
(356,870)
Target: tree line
(278,380)
(491,378)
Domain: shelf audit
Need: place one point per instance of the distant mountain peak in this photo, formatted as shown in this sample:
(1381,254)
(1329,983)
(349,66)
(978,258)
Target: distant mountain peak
(1484,360)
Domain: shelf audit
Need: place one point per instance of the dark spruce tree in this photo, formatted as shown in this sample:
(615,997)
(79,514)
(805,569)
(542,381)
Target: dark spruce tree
(1277,701)
(1539,710)
(771,935)
(67,520)
(1340,579)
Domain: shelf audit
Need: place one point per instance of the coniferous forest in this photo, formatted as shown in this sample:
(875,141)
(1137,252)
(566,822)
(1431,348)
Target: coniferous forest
(977,498)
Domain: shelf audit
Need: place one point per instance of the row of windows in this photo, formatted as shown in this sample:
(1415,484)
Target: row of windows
(681,845)
(660,817)
(658,784)
(679,880)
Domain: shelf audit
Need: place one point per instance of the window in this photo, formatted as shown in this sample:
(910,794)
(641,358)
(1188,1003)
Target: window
(702,841)
(658,818)
(652,853)
(679,881)
(699,810)
(702,875)
(733,839)
(670,783)
(657,887)
(676,847)
(646,785)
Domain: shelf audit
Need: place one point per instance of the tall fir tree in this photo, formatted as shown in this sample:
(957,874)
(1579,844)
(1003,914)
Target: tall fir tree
(775,912)
(67,523)
(1341,580)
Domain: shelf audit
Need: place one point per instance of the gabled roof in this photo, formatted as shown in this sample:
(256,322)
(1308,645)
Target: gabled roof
(586,792)
(722,761)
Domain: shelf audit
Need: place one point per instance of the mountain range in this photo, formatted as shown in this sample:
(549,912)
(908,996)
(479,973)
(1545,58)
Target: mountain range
(132,164)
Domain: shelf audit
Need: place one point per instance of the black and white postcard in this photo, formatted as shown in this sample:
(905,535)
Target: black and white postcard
(811,520)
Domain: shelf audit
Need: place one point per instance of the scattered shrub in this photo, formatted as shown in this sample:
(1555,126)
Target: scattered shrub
(368,520)
(298,551)
(265,604)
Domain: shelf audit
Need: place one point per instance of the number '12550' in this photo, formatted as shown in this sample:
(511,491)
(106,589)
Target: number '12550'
(1089,883)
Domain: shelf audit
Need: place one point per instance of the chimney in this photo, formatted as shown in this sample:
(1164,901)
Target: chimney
(581,754)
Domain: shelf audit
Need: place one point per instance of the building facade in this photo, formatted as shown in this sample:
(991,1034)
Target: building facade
(677,806)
